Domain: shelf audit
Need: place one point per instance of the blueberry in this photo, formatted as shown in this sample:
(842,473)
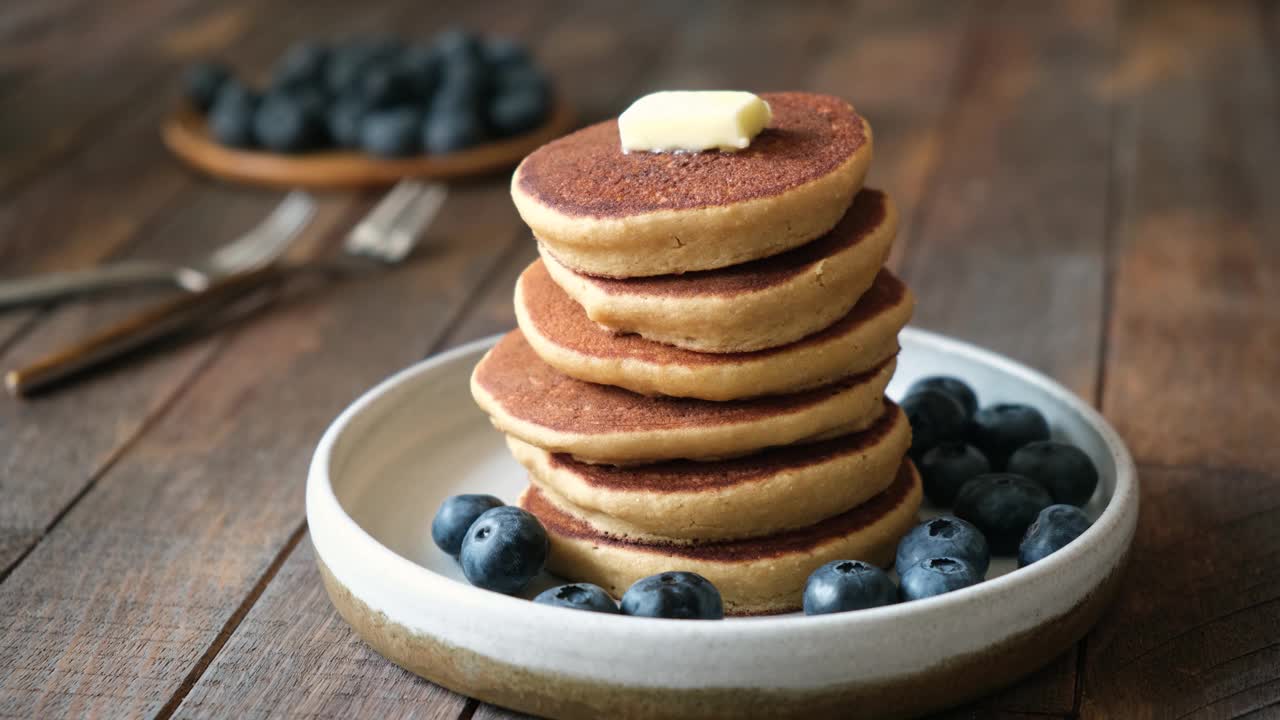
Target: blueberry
(391,133)
(454,518)
(450,130)
(517,111)
(1002,505)
(579,596)
(944,537)
(423,67)
(953,386)
(504,549)
(948,466)
(345,67)
(385,85)
(456,42)
(680,595)
(1065,471)
(232,114)
(519,77)
(202,82)
(504,52)
(937,575)
(302,64)
(844,585)
(285,124)
(343,121)
(935,418)
(1054,527)
(998,430)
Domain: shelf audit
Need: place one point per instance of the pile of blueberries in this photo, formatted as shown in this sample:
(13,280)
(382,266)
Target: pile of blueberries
(381,95)
(1013,491)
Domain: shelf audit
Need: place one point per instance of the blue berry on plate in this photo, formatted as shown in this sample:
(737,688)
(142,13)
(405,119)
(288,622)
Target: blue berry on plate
(679,595)
(450,130)
(202,82)
(285,124)
(1002,506)
(944,536)
(935,576)
(384,85)
(953,386)
(391,133)
(998,430)
(457,42)
(1054,527)
(231,117)
(520,77)
(948,466)
(423,66)
(579,596)
(454,518)
(504,549)
(1065,470)
(935,418)
(843,585)
(516,111)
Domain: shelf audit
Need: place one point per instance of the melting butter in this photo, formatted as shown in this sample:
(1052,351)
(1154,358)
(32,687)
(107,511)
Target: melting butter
(690,121)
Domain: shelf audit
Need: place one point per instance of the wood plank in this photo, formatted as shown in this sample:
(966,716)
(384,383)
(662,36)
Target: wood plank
(1191,374)
(130,201)
(900,64)
(239,681)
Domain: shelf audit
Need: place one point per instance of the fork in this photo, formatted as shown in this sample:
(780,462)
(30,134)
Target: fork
(386,234)
(256,248)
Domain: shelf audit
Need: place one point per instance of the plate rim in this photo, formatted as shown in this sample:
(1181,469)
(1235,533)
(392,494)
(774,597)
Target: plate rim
(321,500)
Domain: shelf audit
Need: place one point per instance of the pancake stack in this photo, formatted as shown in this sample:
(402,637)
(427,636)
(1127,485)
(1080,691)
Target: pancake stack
(697,381)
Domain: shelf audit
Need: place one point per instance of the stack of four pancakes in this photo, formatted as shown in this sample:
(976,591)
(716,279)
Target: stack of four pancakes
(697,382)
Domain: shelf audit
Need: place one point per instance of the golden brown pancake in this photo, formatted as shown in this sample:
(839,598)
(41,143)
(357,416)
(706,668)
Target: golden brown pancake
(761,494)
(759,576)
(756,305)
(533,401)
(603,212)
(564,337)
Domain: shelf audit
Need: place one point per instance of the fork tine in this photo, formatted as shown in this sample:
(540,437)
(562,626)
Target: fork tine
(403,236)
(270,238)
(365,237)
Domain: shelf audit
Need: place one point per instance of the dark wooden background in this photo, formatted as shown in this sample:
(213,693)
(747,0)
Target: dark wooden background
(1090,187)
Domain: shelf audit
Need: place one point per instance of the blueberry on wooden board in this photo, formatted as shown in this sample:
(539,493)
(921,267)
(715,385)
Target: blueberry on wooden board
(944,537)
(343,121)
(513,112)
(285,124)
(503,550)
(231,118)
(844,585)
(448,130)
(679,595)
(1002,506)
(302,64)
(391,133)
(385,85)
(579,596)
(1065,470)
(501,51)
(201,84)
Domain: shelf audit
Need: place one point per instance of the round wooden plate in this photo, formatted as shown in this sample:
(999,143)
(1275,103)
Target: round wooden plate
(187,136)
(385,465)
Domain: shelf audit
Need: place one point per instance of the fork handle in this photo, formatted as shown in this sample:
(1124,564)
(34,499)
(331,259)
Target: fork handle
(38,289)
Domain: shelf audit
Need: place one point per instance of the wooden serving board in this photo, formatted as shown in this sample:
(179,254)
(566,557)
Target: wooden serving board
(186,136)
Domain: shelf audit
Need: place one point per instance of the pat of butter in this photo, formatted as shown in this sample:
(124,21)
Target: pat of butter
(689,121)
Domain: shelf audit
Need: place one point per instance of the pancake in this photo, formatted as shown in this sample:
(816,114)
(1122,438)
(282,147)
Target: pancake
(564,337)
(771,491)
(603,212)
(755,577)
(756,305)
(529,399)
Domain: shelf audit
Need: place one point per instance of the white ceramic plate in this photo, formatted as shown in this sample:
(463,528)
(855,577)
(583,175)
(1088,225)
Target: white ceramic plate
(387,462)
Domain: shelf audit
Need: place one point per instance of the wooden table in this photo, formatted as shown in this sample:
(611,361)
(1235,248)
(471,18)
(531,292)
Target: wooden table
(1089,187)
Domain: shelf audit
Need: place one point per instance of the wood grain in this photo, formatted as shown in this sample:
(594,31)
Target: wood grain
(1192,371)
